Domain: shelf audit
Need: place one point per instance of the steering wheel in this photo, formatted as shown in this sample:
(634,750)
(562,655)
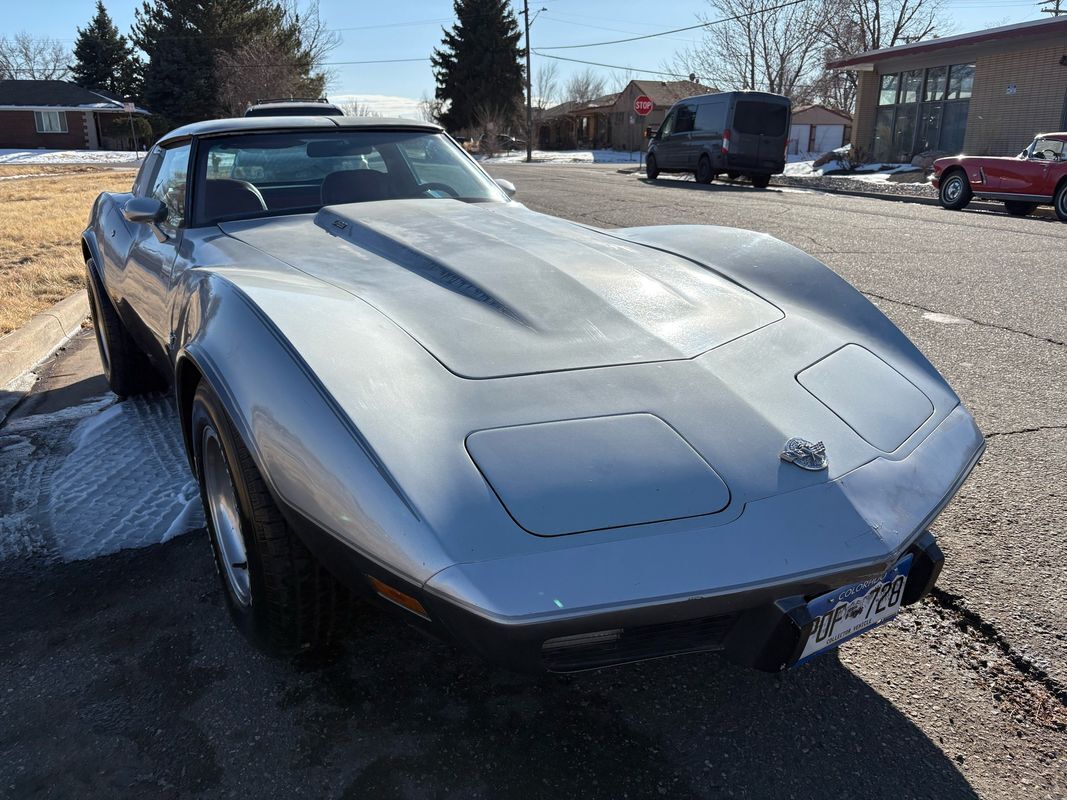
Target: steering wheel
(1051,155)
(439,187)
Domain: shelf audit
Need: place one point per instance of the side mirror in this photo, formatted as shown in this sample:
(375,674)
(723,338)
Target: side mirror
(146,211)
(649,132)
(507,186)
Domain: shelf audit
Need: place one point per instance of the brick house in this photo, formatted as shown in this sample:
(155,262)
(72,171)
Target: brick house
(57,115)
(606,121)
(983,93)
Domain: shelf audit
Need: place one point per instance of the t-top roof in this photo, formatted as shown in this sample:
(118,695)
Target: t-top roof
(1022,30)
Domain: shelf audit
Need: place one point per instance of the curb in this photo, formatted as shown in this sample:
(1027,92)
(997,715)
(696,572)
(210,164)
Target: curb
(26,347)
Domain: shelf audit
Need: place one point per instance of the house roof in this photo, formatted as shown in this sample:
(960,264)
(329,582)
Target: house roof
(812,106)
(56,94)
(571,107)
(1023,30)
(667,93)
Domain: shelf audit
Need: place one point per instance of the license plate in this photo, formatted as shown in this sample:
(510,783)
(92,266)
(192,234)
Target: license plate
(851,610)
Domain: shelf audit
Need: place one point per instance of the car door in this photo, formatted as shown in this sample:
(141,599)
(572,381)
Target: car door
(669,144)
(150,261)
(1028,175)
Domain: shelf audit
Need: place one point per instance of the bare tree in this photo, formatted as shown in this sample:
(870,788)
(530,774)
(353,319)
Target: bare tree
(583,86)
(620,79)
(26,58)
(316,38)
(546,85)
(256,71)
(855,26)
(759,44)
(354,108)
(430,108)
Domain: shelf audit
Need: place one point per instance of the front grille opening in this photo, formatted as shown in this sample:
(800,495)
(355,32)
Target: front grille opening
(620,645)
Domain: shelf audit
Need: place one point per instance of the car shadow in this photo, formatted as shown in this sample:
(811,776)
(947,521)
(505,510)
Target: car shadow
(124,675)
(715,186)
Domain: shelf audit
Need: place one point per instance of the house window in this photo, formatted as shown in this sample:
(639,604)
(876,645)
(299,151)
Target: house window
(922,110)
(51,121)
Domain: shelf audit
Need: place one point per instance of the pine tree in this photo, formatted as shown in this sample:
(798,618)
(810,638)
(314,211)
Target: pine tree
(183,40)
(478,68)
(103,58)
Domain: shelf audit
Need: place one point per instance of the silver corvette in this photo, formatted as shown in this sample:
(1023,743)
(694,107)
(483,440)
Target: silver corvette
(560,446)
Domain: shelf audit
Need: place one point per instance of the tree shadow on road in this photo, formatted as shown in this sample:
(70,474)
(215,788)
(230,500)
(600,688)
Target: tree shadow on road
(126,677)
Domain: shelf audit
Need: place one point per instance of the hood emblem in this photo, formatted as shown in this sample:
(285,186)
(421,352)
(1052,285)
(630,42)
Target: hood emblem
(805,454)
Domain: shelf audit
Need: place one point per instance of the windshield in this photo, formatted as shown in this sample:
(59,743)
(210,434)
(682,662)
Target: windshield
(265,174)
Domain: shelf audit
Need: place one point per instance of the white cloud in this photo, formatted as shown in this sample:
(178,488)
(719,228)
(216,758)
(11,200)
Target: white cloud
(384,104)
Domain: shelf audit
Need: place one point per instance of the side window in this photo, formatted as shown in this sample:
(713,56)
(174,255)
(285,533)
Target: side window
(711,118)
(668,125)
(1051,149)
(686,117)
(146,172)
(168,186)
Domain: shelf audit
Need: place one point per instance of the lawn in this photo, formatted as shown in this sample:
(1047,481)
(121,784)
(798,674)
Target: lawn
(42,216)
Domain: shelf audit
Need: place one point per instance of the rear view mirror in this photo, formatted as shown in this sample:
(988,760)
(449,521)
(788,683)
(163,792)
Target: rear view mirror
(146,211)
(507,186)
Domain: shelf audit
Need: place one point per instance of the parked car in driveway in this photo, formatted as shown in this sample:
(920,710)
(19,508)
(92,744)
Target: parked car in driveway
(1037,176)
(741,134)
(560,446)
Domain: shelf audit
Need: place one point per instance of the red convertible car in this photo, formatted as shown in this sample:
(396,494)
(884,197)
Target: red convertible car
(1037,176)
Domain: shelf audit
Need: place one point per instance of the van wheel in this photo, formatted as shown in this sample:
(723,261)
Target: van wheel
(704,173)
(651,167)
(761,181)
(1017,209)
(955,191)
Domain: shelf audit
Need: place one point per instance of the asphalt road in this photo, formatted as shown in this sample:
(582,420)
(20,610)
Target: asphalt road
(122,676)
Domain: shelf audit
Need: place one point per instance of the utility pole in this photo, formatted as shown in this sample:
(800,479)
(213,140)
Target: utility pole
(529,96)
(1053,7)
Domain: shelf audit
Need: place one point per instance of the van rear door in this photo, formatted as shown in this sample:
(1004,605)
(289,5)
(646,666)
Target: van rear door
(759,130)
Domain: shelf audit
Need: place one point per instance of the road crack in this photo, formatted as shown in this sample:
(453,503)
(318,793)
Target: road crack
(980,323)
(1016,681)
(1038,429)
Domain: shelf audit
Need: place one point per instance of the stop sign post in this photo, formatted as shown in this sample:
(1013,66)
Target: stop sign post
(643,105)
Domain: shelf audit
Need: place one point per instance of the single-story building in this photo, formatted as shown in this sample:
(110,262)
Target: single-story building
(982,93)
(818,129)
(60,115)
(609,121)
(627,129)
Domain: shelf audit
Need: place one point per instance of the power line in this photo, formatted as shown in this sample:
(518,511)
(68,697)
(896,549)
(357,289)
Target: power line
(679,30)
(612,66)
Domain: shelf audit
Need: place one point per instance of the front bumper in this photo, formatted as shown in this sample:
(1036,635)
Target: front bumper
(741,588)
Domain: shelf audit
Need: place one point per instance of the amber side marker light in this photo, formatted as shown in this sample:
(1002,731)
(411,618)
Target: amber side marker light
(398,597)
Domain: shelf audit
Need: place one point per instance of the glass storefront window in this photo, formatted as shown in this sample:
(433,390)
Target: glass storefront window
(903,133)
(888,94)
(935,84)
(910,85)
(929,127)
(960,81)
(883,134)
(953,126)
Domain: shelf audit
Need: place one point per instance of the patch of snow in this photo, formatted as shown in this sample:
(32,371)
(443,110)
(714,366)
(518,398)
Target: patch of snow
(69,156)
(103,476)
(567,157)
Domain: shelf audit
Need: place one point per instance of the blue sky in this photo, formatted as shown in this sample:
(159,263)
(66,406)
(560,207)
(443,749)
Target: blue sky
(412,28)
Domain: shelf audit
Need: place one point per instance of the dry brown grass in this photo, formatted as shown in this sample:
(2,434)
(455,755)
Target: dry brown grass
(41,220)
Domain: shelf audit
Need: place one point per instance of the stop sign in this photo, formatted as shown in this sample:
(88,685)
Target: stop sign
(643,105)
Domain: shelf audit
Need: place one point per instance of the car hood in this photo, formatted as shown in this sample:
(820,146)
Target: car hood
(493,290)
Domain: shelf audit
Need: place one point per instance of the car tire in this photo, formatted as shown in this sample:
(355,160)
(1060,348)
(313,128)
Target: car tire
(125,365)
(704,173)
(1017,209)
(1059,202)
(955,192)
(761,181)
(651,167)
(278,594)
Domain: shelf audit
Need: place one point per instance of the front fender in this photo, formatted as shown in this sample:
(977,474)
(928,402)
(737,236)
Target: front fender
(316,462)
